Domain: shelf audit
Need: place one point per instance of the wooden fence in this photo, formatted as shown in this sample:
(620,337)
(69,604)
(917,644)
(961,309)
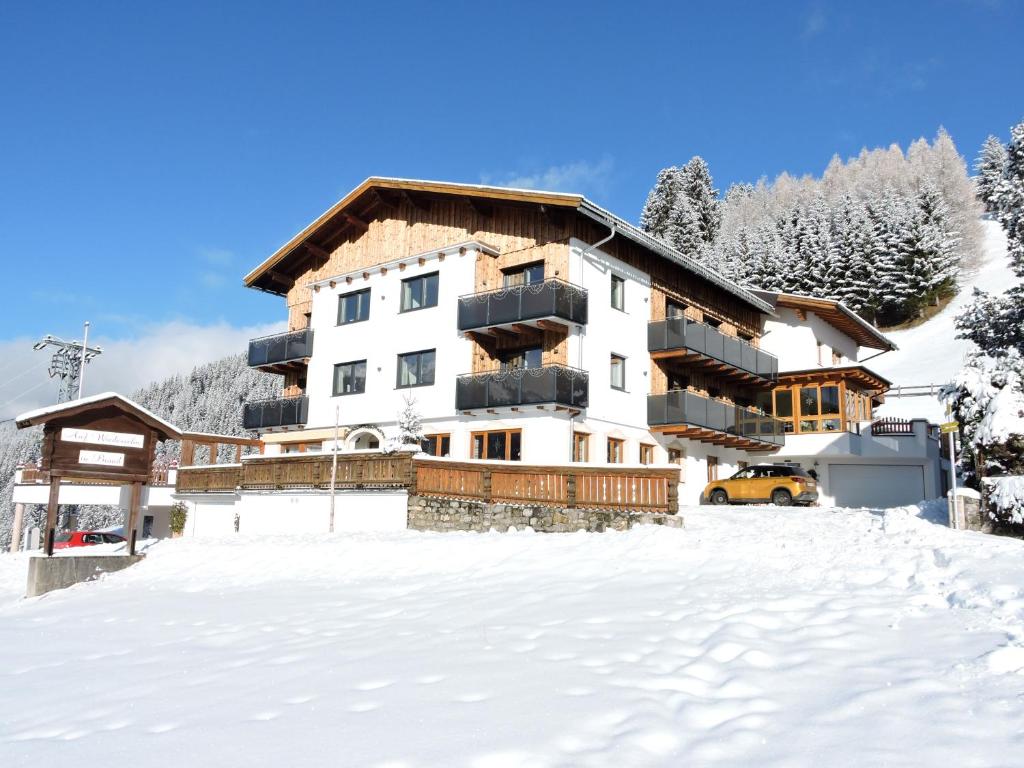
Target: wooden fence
(611,488)
(302,471)
(647,490)
(31,474)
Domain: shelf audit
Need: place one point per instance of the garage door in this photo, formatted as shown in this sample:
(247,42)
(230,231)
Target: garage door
(875,485)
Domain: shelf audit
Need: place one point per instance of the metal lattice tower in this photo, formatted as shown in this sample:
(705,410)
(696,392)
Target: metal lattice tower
(68,363)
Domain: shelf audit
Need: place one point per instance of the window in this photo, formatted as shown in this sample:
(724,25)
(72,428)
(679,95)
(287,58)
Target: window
(674,308)
(504,445)
(531,357)
(354,307)
(416,369)
(615,450)
(618,369)
(437,445)
(350,378)
(818,408)
(646,453)
(712,468)
(580,446)
(528,274)
(301,447)
(678,456)
(618,293)
(836,357)
(419,292)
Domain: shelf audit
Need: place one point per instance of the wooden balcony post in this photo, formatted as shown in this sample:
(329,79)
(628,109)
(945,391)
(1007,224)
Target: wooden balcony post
(188,452)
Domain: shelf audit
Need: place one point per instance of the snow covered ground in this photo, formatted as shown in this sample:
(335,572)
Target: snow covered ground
(755,636)
(931,353)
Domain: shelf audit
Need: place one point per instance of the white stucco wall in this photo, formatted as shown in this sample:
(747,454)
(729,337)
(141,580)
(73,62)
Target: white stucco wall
(386,334)
(795,341)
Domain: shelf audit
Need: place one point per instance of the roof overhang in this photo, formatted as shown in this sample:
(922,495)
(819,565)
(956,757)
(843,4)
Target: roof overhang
(856,373)
(836,314)
(317,240)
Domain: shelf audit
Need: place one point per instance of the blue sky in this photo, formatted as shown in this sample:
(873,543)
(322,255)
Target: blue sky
(153,153)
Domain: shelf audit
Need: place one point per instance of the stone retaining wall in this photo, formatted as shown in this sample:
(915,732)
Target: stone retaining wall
(428,513)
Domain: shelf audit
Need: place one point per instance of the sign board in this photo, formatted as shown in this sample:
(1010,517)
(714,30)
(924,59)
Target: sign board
(949,426)
(100,437)
(101,458)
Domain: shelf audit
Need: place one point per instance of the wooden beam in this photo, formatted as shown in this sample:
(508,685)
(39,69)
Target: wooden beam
(316,250)
(416,201)
(551,325)
(355,221)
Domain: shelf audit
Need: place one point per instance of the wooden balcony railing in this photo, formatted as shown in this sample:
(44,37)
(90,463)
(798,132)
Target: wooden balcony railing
(892,426)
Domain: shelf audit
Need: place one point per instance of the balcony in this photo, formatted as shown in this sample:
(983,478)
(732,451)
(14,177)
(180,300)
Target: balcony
(282,352)
(552,299)
(688,414)
(279,412)
(555,384)
(705,346)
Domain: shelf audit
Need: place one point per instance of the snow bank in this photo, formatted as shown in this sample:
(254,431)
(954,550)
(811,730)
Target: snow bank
(756,636)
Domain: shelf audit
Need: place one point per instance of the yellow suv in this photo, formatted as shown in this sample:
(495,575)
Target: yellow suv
(762,484)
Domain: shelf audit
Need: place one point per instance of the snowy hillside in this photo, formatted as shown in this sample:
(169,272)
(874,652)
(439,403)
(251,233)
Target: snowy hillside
(931,353)
(767,637)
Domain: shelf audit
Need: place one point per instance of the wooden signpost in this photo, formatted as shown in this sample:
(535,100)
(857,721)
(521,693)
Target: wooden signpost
(105,438)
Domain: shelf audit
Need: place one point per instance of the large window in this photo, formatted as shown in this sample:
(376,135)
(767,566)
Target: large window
(618,293)
(350,378)
(437,445)
(354,307)
(419,292)
(618,372)
(580,446)
(616,450)
(528,274)
(416,369)
(810,408)
(504,445)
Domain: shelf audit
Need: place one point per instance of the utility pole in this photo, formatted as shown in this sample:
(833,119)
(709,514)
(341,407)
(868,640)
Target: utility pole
(334,463)
(68,363)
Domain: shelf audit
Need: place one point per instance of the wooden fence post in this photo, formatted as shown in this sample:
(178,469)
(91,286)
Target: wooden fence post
(485,486)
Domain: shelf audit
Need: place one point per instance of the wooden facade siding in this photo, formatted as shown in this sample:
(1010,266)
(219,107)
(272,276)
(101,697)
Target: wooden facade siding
(520,234)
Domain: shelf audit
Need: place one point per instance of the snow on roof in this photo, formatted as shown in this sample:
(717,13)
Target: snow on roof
(836,314)
(25,419)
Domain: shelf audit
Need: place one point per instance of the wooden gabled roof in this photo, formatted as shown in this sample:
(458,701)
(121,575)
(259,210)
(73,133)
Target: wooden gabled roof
(835,313)
(349,210)
(354,211)
(856,373)
(164,429)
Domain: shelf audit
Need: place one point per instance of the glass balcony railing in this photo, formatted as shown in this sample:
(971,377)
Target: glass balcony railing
(281,348)
(558,384)
(279,412)
(689,408)
(516,304)
(683,333)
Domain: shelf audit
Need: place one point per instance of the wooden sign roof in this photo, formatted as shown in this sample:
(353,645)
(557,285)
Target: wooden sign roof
(74,409)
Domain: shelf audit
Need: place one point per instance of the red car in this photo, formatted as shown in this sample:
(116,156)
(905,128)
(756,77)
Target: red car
(85,539)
